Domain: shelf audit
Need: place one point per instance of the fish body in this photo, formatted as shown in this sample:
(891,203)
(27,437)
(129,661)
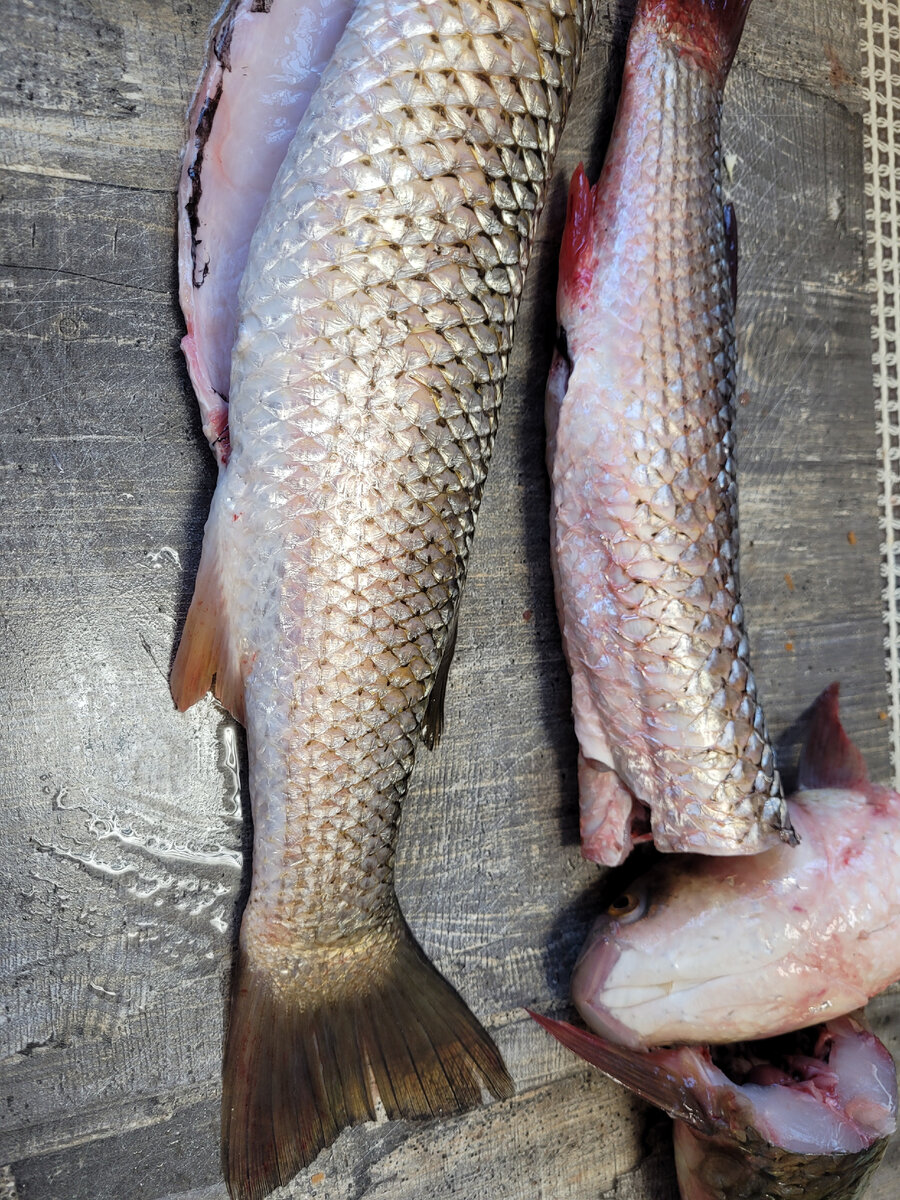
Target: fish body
(264,61)
(809,1115)
(376,318)
(723,950)
(640,450)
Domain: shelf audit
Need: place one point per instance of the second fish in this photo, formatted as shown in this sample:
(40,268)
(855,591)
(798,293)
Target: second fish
(639,414)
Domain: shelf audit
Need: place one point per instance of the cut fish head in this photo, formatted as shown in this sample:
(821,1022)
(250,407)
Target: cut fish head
(808,1114)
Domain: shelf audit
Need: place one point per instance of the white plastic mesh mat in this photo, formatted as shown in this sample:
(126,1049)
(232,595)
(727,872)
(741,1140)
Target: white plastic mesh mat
(881,66)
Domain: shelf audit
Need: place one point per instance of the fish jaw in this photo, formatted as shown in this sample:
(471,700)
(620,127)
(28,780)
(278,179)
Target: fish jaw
(264,62)
(642,468)
(724,950)
(779,1120)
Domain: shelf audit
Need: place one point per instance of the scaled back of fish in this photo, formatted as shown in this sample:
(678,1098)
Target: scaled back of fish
(640,406)
(376,319)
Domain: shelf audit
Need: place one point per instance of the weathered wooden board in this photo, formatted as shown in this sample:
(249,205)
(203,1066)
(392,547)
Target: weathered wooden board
(121,828)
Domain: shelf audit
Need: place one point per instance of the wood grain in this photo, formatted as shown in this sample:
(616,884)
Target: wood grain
(121,829)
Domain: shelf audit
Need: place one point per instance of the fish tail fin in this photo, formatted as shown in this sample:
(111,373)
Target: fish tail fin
(710,28)
(576,251)
(670,1079)
(301,1065)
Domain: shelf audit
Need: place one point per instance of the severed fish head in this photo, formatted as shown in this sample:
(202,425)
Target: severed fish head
(807,1115)
(722,950)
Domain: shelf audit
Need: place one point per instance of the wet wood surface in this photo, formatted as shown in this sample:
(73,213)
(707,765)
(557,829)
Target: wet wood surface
(121,820)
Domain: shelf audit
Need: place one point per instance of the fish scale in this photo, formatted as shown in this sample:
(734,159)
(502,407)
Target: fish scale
(376,320)
(640,409)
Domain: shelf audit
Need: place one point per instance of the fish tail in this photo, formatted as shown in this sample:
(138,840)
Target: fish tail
(301,1065)
(712,28)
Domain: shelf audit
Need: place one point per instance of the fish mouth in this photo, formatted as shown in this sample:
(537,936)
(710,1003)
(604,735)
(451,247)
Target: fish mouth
(592,970)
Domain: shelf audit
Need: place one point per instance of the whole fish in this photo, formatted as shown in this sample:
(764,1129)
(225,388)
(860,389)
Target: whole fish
(640,404)
(264,61)
(809,1115)
(724,950)
(376,318)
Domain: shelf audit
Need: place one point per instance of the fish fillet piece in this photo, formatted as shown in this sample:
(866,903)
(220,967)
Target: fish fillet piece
(640,450)
(714,950)
(264,61)
(807,1115)
(376,319)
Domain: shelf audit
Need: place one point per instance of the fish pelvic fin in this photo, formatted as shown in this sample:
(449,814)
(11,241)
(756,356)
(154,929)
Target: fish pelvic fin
(301,1063)
(829,758)
(206,650)
(576,255)
(710,29)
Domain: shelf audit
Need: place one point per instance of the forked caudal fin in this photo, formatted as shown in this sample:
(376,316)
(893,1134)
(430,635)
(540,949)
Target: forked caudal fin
(299,1069)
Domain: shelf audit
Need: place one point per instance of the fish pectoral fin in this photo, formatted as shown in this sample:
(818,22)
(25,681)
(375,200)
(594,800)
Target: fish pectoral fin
(206,651)
(663,1077)
(301,1065)
(433,721)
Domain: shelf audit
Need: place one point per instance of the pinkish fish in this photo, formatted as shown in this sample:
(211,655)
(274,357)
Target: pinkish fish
(639,412)
(264,61)
(724,950)
(807,1115)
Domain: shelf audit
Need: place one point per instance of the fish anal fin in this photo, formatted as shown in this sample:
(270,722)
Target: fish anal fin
(301,1064)
(205,652)
(829,758)
(670,1079)
(576,253)
(433,721)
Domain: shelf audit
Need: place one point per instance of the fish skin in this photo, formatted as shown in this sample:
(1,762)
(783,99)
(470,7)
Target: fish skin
(741,1141)
(264,61)
(640,405)
(704,950)
(377,314)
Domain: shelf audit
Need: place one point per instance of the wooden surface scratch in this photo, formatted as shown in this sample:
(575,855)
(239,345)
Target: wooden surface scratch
(121,821)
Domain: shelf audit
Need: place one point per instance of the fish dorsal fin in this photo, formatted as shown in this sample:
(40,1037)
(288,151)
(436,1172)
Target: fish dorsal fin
(829,758)
(577,242)
(433,721)
(206,650)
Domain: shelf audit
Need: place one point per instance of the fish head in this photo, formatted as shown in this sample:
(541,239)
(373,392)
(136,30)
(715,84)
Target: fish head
(670,958)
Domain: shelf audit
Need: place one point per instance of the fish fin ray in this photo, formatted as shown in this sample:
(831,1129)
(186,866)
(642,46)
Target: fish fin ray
(299,1069)
(652,1075)
(205,652)
(829,758)
(433,721)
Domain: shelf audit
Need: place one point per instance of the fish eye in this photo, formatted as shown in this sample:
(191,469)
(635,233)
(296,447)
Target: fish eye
(627,907)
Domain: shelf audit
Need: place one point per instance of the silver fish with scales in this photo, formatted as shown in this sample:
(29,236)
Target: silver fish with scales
(640,450)
(376,318)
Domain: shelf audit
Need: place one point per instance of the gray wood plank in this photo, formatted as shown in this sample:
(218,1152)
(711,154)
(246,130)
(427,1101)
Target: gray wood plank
(121,822)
